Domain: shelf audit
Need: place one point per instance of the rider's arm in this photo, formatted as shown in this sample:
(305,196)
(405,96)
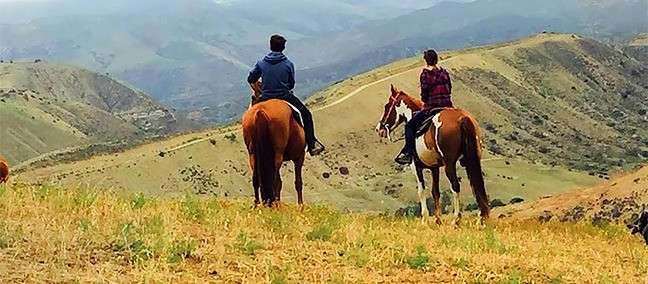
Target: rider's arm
(425,86)
(254,75)
(291,75)
(449,82)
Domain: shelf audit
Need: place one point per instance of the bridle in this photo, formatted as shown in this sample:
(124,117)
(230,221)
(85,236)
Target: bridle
(393,99)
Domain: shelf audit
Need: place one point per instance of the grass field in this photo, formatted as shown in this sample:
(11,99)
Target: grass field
(50,234)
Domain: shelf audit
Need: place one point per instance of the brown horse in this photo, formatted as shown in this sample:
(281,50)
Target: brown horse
(272,136)
(453,136)
(4,170)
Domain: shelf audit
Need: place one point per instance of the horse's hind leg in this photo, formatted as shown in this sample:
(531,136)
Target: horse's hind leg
(451,173)
(421,191)
(299,163)
(277,190)
(436,194)
(255,182)
(255,185)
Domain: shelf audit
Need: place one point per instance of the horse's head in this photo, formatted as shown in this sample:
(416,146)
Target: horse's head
(640,224)
(256,93)
(396,111)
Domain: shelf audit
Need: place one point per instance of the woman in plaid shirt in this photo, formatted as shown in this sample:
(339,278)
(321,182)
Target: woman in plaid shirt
(435,93)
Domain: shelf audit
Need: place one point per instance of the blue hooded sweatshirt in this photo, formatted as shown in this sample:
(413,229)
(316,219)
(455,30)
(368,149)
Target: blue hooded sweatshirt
(277,73)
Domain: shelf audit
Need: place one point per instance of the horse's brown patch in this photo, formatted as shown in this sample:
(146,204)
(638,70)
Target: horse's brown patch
(4,170)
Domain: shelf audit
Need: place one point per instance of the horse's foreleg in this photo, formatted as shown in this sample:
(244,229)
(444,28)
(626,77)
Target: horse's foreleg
(299,163)
(436,194)
(421,191)
(451,173)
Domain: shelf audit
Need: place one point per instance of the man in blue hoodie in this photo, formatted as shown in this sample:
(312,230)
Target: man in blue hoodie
(278,78)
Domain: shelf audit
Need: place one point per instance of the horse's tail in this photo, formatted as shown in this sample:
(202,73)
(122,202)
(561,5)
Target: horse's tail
(264,157)
(471,161)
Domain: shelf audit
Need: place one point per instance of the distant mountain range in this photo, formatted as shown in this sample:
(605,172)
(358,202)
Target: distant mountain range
(194,55)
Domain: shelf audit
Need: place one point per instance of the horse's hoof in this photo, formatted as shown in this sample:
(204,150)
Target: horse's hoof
(457,222)
(439,222)
(480,223)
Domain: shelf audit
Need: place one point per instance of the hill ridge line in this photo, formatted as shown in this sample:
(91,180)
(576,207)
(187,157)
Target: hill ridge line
(473,50)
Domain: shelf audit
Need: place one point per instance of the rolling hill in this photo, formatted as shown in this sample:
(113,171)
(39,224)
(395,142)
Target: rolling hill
(536,124)
(638,48)
(194,55)
(46,107)
(618,200)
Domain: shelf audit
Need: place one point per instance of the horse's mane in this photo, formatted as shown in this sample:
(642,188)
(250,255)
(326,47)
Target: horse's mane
(415,101)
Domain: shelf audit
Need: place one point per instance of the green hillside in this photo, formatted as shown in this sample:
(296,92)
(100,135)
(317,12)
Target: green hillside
(46,107)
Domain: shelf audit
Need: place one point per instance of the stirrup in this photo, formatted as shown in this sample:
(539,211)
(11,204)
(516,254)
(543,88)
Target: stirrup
(404,158)
(315,150)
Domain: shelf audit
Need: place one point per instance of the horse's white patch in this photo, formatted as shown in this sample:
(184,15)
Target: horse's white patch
(378,126)
(403,110)
(422,193)
(437,124)
(427,156)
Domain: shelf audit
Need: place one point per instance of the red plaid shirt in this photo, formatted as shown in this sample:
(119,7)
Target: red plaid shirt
(436,88)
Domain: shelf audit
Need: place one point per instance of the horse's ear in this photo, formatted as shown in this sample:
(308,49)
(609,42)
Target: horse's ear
(393,89)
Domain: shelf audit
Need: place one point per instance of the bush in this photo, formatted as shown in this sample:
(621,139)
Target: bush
(515,200)
(181,250)
(496,203)
(419,260)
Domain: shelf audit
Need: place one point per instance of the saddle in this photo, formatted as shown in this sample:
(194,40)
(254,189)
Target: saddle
(296,114)
(425,125)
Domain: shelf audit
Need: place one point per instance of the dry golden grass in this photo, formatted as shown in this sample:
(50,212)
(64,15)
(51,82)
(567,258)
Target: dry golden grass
(53,235)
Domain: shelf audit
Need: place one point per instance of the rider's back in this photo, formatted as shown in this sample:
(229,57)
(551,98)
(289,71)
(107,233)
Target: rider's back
(277,73)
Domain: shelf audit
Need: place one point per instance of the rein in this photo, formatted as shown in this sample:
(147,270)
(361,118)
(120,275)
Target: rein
(401,138)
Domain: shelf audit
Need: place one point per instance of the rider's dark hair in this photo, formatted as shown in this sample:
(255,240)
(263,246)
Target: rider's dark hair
(277,43)
(431,57)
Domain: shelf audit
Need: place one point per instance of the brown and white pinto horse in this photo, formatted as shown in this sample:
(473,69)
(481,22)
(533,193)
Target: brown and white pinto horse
(272,136)
(453,136)
(4,170)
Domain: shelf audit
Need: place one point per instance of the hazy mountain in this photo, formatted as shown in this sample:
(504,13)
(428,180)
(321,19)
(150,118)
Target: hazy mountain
(194,55)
